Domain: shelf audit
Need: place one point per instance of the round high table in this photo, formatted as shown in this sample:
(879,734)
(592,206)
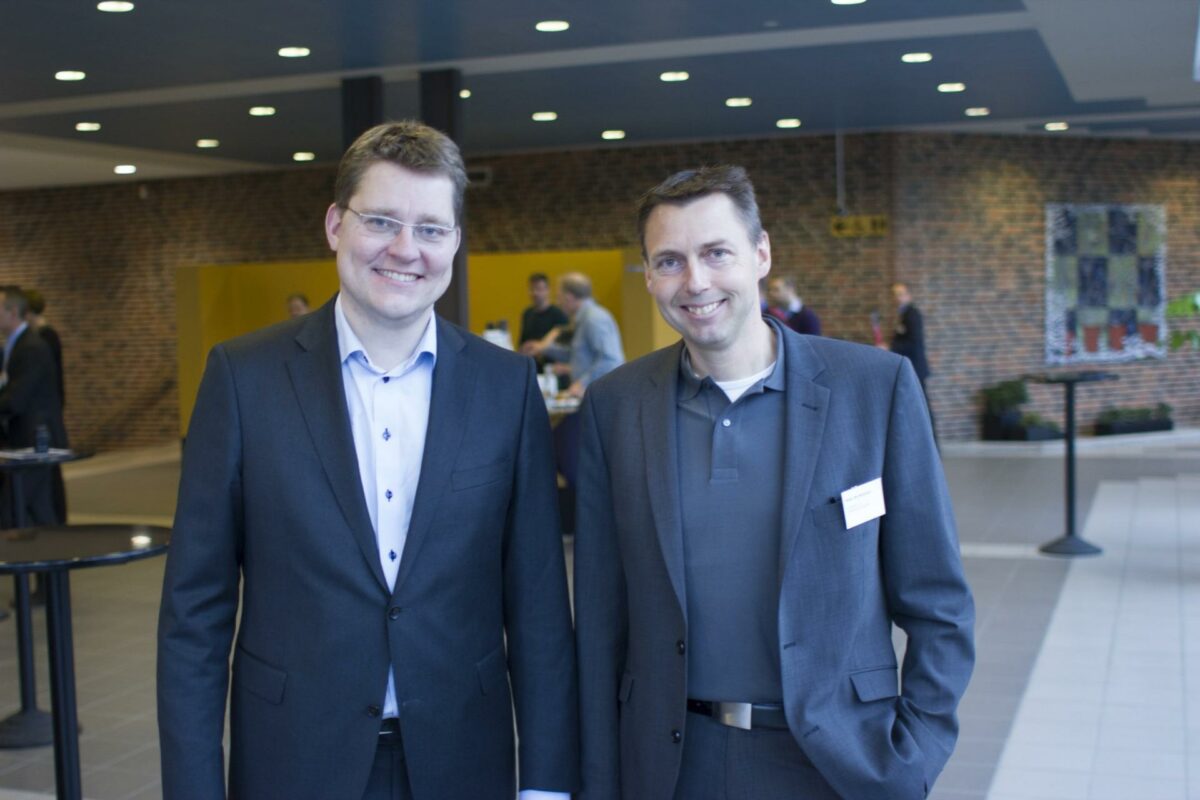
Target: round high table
(53,551)
(30,726)
(1070,544)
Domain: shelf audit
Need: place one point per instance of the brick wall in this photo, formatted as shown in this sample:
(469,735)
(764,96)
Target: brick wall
(967,235)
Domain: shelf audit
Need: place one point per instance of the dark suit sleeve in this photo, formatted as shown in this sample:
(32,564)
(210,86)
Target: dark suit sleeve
(30,368)
(927,592)
(200,593)
(913,337)
(538,613)
(600,616)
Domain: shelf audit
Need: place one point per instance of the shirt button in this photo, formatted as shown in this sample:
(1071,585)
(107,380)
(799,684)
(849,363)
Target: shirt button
(681,647)
(386,379)
(374,711)
(676,736)
(726,423)
(394,612)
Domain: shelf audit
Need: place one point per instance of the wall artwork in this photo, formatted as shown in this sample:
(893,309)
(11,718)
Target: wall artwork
(1105,274)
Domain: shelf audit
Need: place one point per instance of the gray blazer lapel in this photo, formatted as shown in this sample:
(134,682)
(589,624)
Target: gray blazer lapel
(316,375)
(660,439)
(449,408)
(807,409)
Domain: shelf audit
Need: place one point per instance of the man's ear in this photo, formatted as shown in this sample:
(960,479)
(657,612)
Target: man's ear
(333,225)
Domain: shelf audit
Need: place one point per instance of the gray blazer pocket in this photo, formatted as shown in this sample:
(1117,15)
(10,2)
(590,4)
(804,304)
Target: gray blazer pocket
(493,671)
(478,476)
(877,683)
(258,677)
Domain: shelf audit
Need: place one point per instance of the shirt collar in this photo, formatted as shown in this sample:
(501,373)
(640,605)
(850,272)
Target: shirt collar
(350,347)
(690,384)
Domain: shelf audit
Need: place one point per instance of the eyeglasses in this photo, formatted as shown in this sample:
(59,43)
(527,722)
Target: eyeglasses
(387,228)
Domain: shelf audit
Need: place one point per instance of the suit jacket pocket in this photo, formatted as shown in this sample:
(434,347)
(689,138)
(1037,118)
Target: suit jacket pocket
(878,683)
(626,688)
(258,677)
(493,671)
(478,476)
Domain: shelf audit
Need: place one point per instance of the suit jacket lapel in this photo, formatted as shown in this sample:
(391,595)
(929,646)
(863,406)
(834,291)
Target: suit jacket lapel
(449,408)
(316,375)
(660,439)
(807,409)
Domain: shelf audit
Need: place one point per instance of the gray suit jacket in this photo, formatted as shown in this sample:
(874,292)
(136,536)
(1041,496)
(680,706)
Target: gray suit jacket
(271,503)
(854,414)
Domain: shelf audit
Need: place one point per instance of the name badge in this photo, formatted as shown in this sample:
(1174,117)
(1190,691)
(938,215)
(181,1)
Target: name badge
(863,503)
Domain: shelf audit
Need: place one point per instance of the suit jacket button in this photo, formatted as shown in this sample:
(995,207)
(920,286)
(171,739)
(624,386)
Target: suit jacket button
(394,612)
(374,711)
(681,647)
(676,736)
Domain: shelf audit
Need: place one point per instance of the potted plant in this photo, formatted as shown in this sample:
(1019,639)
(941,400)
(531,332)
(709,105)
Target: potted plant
(1134,420)
(1002,409)
(1035,427)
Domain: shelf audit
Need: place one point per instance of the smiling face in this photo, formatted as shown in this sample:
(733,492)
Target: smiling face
(703,270)
(392,283)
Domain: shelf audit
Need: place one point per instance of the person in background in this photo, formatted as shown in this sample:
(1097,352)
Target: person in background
(908,339)
(595,348)
(374,487)
(29,401)
(787,306)
(756,510)
(37,320)
(542,316)
(297,304)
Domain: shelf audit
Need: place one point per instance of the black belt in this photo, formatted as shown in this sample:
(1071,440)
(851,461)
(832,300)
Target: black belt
(389,727)
(746,716)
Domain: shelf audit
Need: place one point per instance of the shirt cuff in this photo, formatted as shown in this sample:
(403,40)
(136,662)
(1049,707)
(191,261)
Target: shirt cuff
(538,794)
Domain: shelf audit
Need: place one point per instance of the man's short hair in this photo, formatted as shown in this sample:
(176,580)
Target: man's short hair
(577,285)
(539,277)
(409,144)
(692,184)
(301,296)
(37,303)
(15,299)
(786,280)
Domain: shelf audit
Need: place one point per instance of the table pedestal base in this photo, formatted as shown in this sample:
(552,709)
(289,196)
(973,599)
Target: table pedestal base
(1070,546)
(33,728)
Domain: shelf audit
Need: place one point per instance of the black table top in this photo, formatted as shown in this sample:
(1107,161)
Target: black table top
(28,458)
(57,547)
(1087,376)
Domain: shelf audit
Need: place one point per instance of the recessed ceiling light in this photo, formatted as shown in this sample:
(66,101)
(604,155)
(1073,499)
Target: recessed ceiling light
(544,116)
(208,143)
(847,2)
(69,75)
(787,122)
(673,77)
(464,93)
(262,111)
(303,155)
(738,102)
(294,52)
(114,6)
(980,111)
(552,25)
(950,88)
(612,135)
(87,127)
(916,58)
(1057,126)
(124,169)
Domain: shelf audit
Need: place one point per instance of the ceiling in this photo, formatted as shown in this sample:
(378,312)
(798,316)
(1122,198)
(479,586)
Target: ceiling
(169,72)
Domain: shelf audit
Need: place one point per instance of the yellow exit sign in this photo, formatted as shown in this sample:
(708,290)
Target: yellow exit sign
(859,226)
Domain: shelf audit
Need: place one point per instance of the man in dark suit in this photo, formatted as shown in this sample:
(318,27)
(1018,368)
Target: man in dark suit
(756,510)
(784,304)
(908,340)
(378,484)
(30,399)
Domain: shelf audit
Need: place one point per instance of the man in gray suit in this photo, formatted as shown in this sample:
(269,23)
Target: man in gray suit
(756,510)
(377,485)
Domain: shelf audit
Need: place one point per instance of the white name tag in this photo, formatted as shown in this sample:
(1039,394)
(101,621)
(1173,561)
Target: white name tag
(863,503)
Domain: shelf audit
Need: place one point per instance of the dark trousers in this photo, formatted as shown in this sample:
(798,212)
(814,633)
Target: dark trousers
(724,763)
(389,773)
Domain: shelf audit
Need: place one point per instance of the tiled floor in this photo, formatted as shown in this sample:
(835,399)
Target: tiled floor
(1088,676)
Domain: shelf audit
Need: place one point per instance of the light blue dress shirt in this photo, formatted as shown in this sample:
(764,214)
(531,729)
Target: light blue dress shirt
(596,346)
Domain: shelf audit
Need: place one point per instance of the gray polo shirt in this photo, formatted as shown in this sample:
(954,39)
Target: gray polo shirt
(730,474)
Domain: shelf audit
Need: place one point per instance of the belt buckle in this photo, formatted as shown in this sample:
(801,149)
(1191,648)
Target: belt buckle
(735,715)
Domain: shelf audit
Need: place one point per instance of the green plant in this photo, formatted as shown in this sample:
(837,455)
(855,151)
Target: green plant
(1183,308)
(1032,420)
(1005,396)
(1145,414)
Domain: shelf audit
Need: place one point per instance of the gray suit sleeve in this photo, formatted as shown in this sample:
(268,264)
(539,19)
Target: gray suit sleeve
(200,594)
